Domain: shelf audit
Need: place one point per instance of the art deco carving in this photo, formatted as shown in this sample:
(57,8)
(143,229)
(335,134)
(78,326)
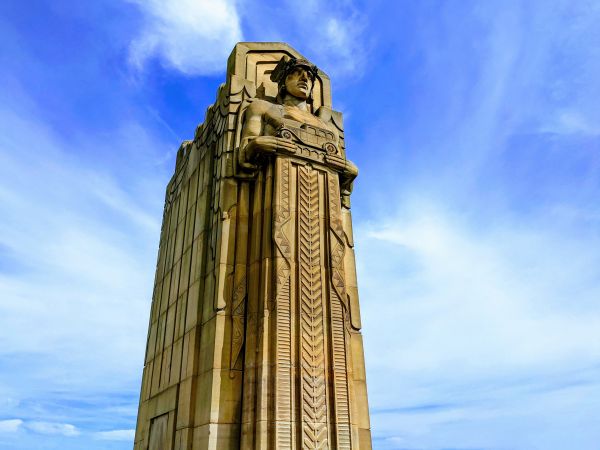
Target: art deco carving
(254,338)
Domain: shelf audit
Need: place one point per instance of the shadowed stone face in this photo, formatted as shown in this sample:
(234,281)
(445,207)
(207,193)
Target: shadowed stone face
(299,83)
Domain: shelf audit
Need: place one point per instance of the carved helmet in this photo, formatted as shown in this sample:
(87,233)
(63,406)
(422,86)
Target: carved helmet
(285,66)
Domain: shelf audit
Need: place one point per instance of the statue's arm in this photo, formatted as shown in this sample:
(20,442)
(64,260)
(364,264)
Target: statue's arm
(347,176)
(254,143)
(348,172)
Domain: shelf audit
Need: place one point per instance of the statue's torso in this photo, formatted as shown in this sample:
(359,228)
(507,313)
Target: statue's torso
(300,126)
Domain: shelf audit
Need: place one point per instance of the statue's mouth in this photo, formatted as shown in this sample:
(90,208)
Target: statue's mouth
(303,85)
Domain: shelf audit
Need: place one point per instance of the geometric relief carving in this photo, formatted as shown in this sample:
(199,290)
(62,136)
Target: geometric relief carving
(337,241)
(283,380)
(338,318)
(312,367)
(282,214)
(283,377)
(238,311)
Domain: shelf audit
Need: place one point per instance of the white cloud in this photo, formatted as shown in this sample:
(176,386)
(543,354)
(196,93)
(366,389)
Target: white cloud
(569,122)
(340,42)
(331,33)
(196,36)
(50,428)
(494,418)
(75,268)
(344,45)
(10,425)
(78,243)
(486,326)
(479,275)
(115,435)
(85,267)
(192,36)
(485,298)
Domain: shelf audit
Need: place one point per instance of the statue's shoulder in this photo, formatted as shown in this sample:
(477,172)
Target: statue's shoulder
(260,106)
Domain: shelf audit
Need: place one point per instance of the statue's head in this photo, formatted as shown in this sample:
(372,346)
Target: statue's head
(295,77)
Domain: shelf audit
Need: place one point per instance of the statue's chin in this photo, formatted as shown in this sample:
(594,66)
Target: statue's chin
(299,94)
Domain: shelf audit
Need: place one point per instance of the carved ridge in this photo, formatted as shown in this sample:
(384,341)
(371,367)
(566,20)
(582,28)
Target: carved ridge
(338,319)
(283,405)
(238,311)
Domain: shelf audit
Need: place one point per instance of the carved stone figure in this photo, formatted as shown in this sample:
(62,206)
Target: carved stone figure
(254,338)
(270,127)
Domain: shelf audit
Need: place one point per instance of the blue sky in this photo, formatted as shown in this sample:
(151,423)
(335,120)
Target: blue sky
(476,128)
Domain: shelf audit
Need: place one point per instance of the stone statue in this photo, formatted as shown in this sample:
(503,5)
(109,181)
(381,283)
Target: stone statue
(254,339)
(265,124)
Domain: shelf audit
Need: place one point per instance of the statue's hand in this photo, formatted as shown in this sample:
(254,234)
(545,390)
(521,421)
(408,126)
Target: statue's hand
(268,145)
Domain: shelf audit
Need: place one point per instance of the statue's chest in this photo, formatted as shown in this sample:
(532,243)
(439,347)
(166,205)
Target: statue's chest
(299,126)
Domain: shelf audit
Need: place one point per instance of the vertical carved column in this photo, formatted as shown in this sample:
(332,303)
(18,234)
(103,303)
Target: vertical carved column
(311,311)
(283,399)
(339,316)
(240,281)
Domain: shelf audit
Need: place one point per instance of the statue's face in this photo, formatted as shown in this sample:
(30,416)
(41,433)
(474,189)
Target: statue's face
(299,83)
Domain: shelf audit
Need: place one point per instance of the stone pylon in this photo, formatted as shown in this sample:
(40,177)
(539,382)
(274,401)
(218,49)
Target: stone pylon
(254,339)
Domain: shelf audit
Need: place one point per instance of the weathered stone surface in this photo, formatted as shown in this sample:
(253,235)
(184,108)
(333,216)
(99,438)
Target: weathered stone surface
(254,337)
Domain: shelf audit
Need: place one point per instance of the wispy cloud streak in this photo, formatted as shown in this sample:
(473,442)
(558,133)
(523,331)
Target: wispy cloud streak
(75,269)
(486,272)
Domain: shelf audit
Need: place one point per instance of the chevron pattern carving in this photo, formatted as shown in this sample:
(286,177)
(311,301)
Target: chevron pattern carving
(282,214)
(314,389)
(283,377)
